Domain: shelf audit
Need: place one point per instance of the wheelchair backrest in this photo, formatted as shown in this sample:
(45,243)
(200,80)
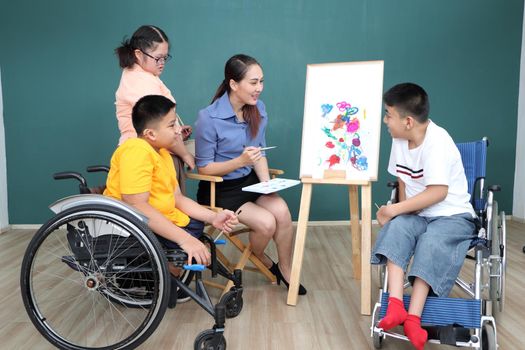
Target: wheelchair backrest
(474,157)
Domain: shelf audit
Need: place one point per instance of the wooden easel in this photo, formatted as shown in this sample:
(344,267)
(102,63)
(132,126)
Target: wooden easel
(361,235)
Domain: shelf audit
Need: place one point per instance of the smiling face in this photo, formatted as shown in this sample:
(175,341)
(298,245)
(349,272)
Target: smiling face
(153,60)
(165,133)
(247,91)
(396,124)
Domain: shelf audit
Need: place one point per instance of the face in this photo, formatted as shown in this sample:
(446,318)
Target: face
(397,125)
(247,90)
(149,64)
(166,133)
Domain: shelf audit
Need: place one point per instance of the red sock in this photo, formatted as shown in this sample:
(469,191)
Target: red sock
(417,335)
(395,314)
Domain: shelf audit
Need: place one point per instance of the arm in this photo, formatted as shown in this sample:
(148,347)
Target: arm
(224,220)
(180,150)
(165,228)
(261,169)
(431,195)
(249,156)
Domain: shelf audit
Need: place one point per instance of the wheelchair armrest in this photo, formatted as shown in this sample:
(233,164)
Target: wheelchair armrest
(393,184)
(97,168)
(209,178)
(494,188)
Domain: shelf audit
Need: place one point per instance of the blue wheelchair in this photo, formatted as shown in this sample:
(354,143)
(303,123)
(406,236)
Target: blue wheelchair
(95,277)
(470,321)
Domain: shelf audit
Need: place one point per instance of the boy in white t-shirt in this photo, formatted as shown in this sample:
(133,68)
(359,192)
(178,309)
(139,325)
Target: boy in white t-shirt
(433,220)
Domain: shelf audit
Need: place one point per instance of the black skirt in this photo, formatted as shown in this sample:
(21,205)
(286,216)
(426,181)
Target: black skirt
(229,193)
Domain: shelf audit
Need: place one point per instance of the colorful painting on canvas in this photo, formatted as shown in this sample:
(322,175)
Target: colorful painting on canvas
(342,119)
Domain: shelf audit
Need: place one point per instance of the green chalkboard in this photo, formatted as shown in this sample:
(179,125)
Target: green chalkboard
(59,75)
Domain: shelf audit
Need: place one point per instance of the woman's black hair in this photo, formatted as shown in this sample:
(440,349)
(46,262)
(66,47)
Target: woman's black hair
(236,68)
(144,38)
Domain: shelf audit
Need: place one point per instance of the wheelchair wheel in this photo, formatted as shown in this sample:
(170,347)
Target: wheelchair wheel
(377,339)
(81,272)
(232,302)
(498,262)
(210,339)
(488,337)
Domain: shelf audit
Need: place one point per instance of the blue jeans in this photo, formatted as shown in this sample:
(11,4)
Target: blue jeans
(438,246)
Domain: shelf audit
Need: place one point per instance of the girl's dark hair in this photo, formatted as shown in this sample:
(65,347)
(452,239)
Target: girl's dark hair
(143,39)
(409,99)
(148,110)
(236,68)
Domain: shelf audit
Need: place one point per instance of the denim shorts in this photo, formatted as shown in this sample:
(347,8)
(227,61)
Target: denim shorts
(194,228)
(438,246)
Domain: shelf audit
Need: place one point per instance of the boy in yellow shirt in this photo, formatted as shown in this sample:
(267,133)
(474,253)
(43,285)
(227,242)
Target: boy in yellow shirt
(142,175)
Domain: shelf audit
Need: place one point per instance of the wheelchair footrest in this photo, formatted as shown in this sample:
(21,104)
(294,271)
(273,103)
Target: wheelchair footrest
(444,311)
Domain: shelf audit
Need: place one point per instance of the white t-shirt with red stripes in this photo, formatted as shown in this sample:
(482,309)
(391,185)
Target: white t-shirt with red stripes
(436,161)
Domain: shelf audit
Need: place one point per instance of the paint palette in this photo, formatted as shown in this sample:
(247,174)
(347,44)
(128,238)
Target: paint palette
(271,186)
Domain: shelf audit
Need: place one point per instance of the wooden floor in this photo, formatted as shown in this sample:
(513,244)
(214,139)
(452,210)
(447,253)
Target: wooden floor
(326,318)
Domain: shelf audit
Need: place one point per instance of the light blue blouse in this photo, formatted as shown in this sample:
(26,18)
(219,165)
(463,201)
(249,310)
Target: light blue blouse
(219,136)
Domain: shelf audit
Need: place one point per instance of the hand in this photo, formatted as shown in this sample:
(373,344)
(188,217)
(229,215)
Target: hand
(225,220)
(250,155)
(196,249)
(385,214)
(189,160)
(186,131)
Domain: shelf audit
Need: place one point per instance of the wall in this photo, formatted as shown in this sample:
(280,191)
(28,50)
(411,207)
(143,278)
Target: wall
(4,219)
(60,75)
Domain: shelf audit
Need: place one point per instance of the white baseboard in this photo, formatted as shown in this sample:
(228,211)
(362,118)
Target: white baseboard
(25,227)
(515,218)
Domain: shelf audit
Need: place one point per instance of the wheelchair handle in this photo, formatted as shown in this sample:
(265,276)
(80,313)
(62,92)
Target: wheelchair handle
(97,168)
(194,267)
(82,187)
(495,188)
(70,175)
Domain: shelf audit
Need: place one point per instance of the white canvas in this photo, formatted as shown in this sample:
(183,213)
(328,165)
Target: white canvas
(342,119)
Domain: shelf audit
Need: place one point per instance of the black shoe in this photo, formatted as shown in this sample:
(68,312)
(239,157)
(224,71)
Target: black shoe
(275,270)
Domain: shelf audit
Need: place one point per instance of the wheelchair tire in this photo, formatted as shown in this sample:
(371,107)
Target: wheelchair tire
(75,259)
(499,262)
(488,337)
(210,339)
(232,302)
(377,339)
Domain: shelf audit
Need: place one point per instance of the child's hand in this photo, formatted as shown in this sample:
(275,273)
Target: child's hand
(186,131)
(196,249)
(250,155)
(225,220)
(385,214)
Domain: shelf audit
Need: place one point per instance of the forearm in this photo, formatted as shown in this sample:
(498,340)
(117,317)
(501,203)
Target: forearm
(193,209)
(430,196)
(159,224)
(261,169)
(179,149)
(221,168)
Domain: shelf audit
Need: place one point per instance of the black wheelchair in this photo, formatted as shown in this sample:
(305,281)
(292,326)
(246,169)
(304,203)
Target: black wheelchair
(95,277)
(471,321)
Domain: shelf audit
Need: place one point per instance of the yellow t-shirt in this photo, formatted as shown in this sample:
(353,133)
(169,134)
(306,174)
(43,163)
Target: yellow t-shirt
(137,168)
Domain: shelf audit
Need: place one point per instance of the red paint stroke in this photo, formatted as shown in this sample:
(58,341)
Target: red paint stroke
(333,160)
(329,144)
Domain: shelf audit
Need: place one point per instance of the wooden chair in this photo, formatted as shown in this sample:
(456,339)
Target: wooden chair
(245,249)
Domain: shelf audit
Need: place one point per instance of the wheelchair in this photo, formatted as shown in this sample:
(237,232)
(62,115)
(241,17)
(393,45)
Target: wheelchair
(95,277)
(470,321)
